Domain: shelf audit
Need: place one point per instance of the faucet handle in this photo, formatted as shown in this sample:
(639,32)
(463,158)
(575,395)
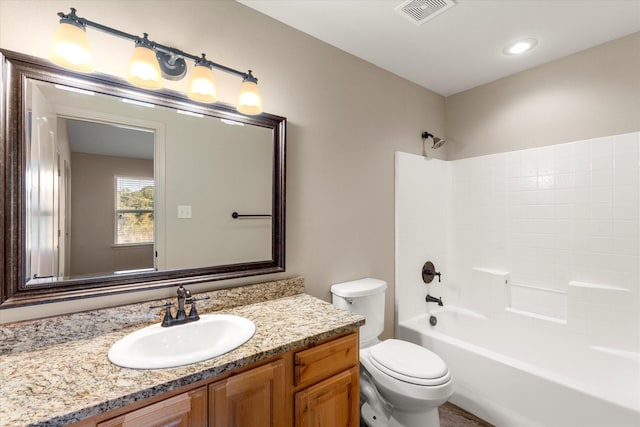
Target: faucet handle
(429,272)
(165,305)
(193,313)
(168,318)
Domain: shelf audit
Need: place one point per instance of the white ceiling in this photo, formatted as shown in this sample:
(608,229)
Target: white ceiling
(462,47)
(109,140)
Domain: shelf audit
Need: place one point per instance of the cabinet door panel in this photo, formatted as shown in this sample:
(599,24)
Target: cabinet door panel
(255,398)
(333,402)
(185,410)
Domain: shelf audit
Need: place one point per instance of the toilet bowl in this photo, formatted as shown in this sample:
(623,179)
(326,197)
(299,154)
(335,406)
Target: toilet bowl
(401,383)
(411,381)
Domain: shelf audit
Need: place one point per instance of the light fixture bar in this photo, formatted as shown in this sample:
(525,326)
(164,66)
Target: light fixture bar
(150,62)
(72,17)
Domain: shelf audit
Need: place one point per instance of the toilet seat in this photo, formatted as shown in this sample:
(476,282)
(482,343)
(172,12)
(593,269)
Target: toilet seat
(409,362)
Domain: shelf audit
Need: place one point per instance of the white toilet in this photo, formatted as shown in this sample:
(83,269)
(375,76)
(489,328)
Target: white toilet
(401,383)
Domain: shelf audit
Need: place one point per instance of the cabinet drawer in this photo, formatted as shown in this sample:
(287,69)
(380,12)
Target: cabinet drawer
(320,362)
(185,410)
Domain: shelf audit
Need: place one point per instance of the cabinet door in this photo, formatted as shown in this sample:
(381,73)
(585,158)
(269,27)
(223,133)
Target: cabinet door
(185,410)
(255,398)
(333,402)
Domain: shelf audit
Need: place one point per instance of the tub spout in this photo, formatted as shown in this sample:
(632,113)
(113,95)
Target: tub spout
(434,299)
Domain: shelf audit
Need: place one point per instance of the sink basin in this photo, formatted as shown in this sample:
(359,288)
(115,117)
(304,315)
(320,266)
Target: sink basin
(156,347)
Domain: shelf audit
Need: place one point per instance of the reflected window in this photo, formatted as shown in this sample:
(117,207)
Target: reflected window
(133,210)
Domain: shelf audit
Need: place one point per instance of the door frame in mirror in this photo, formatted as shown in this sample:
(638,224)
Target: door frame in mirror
(16,68)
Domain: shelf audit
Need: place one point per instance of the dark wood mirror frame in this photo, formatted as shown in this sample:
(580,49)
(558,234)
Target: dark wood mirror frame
(16,69)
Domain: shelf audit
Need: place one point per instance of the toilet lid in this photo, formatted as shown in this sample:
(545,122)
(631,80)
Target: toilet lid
(409,362)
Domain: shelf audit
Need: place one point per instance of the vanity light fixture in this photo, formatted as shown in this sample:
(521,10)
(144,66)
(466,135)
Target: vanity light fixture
(520,47)
(149,63)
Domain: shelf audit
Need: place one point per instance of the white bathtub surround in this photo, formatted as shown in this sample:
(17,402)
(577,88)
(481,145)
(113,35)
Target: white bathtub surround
(545,245)
(423,198)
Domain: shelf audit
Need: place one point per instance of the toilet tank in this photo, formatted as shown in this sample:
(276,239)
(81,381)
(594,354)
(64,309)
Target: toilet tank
(364,297)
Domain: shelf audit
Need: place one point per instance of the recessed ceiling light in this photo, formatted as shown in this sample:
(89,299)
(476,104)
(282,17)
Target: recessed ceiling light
(519,47)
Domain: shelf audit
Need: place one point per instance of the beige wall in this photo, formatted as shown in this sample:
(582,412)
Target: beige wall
(346,118)
(590,94)
(92,227)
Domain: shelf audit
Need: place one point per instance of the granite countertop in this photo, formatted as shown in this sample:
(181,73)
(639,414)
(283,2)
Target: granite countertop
(56,371)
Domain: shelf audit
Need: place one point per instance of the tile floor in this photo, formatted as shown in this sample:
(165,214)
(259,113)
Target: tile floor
(453,416)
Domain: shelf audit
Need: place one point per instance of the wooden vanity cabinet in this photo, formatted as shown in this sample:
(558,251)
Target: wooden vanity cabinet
(326,381)
(314,386)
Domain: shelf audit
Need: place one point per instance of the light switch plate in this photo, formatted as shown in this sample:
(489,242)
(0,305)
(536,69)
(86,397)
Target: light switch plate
(184,211)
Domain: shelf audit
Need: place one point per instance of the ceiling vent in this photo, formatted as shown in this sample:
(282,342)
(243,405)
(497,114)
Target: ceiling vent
(421,11)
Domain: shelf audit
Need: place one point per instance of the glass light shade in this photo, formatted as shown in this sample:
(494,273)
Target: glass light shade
(202,87)
(249,101)
(144,70)
(70,48)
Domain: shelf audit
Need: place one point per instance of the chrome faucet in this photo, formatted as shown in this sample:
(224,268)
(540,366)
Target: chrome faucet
(184,296)
(434,299)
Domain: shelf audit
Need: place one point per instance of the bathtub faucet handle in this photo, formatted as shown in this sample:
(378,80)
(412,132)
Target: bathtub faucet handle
(429,272)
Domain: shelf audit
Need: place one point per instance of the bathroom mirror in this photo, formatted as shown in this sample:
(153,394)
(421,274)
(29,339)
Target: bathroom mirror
(109,188)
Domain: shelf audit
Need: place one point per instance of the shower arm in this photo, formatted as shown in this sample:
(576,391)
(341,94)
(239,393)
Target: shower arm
(425,136)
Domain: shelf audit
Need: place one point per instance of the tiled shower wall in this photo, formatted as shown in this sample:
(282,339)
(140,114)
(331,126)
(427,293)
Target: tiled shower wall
(549,217)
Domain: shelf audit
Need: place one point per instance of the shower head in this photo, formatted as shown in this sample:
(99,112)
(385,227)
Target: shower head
(437,142)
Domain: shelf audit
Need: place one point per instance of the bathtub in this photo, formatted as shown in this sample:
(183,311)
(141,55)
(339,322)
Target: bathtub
(518,371)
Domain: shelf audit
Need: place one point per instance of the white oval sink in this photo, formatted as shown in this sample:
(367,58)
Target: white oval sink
(156,347)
